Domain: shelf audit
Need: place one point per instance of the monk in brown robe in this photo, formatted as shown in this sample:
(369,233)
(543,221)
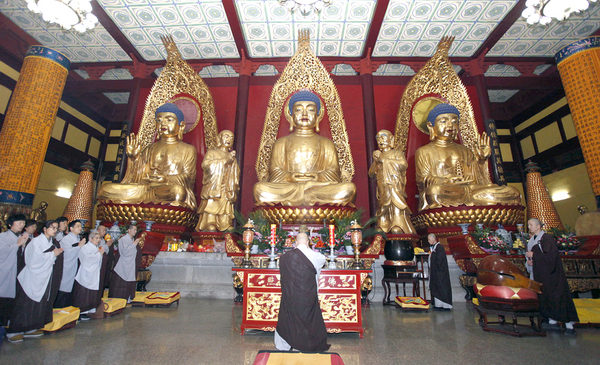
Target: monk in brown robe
(300,325)
(545,266)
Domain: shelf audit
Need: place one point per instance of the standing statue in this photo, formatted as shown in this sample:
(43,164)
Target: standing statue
(389,168)
(449,174)
(39,214)
(304,168)
(220,186)
(164,172)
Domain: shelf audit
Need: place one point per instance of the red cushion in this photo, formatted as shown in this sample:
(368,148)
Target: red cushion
(504,292)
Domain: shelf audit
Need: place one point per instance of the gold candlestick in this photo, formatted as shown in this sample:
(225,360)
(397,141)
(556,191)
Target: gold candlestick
(356,238)
(248,237)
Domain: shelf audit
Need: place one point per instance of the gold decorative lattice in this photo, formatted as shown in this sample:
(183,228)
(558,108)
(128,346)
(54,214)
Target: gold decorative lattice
(437,78)
(176,78)
(305,71)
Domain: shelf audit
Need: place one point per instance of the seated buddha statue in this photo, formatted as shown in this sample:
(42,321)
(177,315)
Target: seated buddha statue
(449,174)
(304,168)
(163,172)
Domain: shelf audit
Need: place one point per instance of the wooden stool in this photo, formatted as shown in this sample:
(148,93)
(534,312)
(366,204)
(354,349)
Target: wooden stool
(399,274)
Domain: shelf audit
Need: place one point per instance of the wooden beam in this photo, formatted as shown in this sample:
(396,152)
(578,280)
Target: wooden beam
(14,40)
(500,29)
(236,28)
(522,83)
(376,22)
(114,31)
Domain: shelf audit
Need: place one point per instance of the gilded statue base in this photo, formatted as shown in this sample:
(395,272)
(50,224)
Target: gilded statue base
(305,215)
(167,219)
(452,216)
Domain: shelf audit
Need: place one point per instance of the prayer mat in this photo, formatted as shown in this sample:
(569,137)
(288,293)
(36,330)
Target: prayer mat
(140,297)
(412,303)
(296,358)
(588,311)
(62,319)
(113,306)
(162,299)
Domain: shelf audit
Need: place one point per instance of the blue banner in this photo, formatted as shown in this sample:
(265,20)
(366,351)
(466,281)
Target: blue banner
(576,47)
(49,53)
(16,197)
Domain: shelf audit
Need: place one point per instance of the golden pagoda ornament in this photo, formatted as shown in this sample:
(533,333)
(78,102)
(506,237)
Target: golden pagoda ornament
(539,204)
(80,203)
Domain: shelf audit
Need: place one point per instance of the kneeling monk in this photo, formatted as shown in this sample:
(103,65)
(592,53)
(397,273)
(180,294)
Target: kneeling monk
(300,325)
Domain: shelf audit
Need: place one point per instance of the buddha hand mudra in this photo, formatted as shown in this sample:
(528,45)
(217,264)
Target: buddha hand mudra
(164,172)
(304,168)
(449,174)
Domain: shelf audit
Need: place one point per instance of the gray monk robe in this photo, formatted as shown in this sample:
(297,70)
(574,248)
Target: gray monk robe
(300,321)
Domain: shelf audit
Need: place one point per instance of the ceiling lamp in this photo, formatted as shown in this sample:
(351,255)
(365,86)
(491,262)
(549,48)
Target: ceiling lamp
(542,11)
(305,7)
(76,14)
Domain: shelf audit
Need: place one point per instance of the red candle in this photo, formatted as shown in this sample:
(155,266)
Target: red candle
(273,235)
(331,235)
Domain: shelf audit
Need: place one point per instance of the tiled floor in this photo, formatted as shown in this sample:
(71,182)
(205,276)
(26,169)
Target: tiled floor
(205,331)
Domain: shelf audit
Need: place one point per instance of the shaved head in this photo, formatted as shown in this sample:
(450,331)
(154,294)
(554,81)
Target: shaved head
(301,239)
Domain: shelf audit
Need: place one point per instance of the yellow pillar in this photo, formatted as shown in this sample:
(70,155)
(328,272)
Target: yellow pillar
(28,126)
(579,68)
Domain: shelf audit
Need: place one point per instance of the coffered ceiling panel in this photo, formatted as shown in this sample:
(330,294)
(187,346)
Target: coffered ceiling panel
(200,28)
(537,40)
(413,28)
(95,45)
(340,30)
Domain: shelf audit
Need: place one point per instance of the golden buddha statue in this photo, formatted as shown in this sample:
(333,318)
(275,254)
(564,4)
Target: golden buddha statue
(450,174)
(164,172)
(389,168)
(220,185)
(304,168)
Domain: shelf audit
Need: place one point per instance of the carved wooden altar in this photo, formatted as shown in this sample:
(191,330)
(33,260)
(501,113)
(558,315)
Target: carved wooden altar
(582,267)
(339,296)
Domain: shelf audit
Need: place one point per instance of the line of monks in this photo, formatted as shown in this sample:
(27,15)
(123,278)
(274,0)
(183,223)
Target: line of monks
(56,268)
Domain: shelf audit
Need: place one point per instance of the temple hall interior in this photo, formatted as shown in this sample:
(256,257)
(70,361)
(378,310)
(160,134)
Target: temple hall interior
(219,192)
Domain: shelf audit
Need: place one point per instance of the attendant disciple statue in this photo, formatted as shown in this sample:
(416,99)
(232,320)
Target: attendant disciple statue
(389,168)
(220,185)
(164,172)
(450,174)
(304,168)
(39,213)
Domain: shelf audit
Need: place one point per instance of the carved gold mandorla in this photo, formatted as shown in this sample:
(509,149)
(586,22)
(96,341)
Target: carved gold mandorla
(178,77)
(305,70)
(438,77)
(509,215)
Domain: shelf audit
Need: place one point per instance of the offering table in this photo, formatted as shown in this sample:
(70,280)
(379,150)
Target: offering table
(339,297)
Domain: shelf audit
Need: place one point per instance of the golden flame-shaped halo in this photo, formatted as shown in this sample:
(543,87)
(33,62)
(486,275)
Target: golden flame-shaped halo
(178,77)
(305,71)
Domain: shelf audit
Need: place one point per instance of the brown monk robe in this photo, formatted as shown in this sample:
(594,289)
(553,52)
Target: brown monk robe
(300,324)
(556,302)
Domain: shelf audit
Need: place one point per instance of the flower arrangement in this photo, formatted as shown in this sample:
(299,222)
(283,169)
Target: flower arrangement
(262,231)
(566,239)
(488,239)
(342,233)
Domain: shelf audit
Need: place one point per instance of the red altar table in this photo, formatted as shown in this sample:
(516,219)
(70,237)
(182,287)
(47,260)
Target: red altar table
(339,296)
